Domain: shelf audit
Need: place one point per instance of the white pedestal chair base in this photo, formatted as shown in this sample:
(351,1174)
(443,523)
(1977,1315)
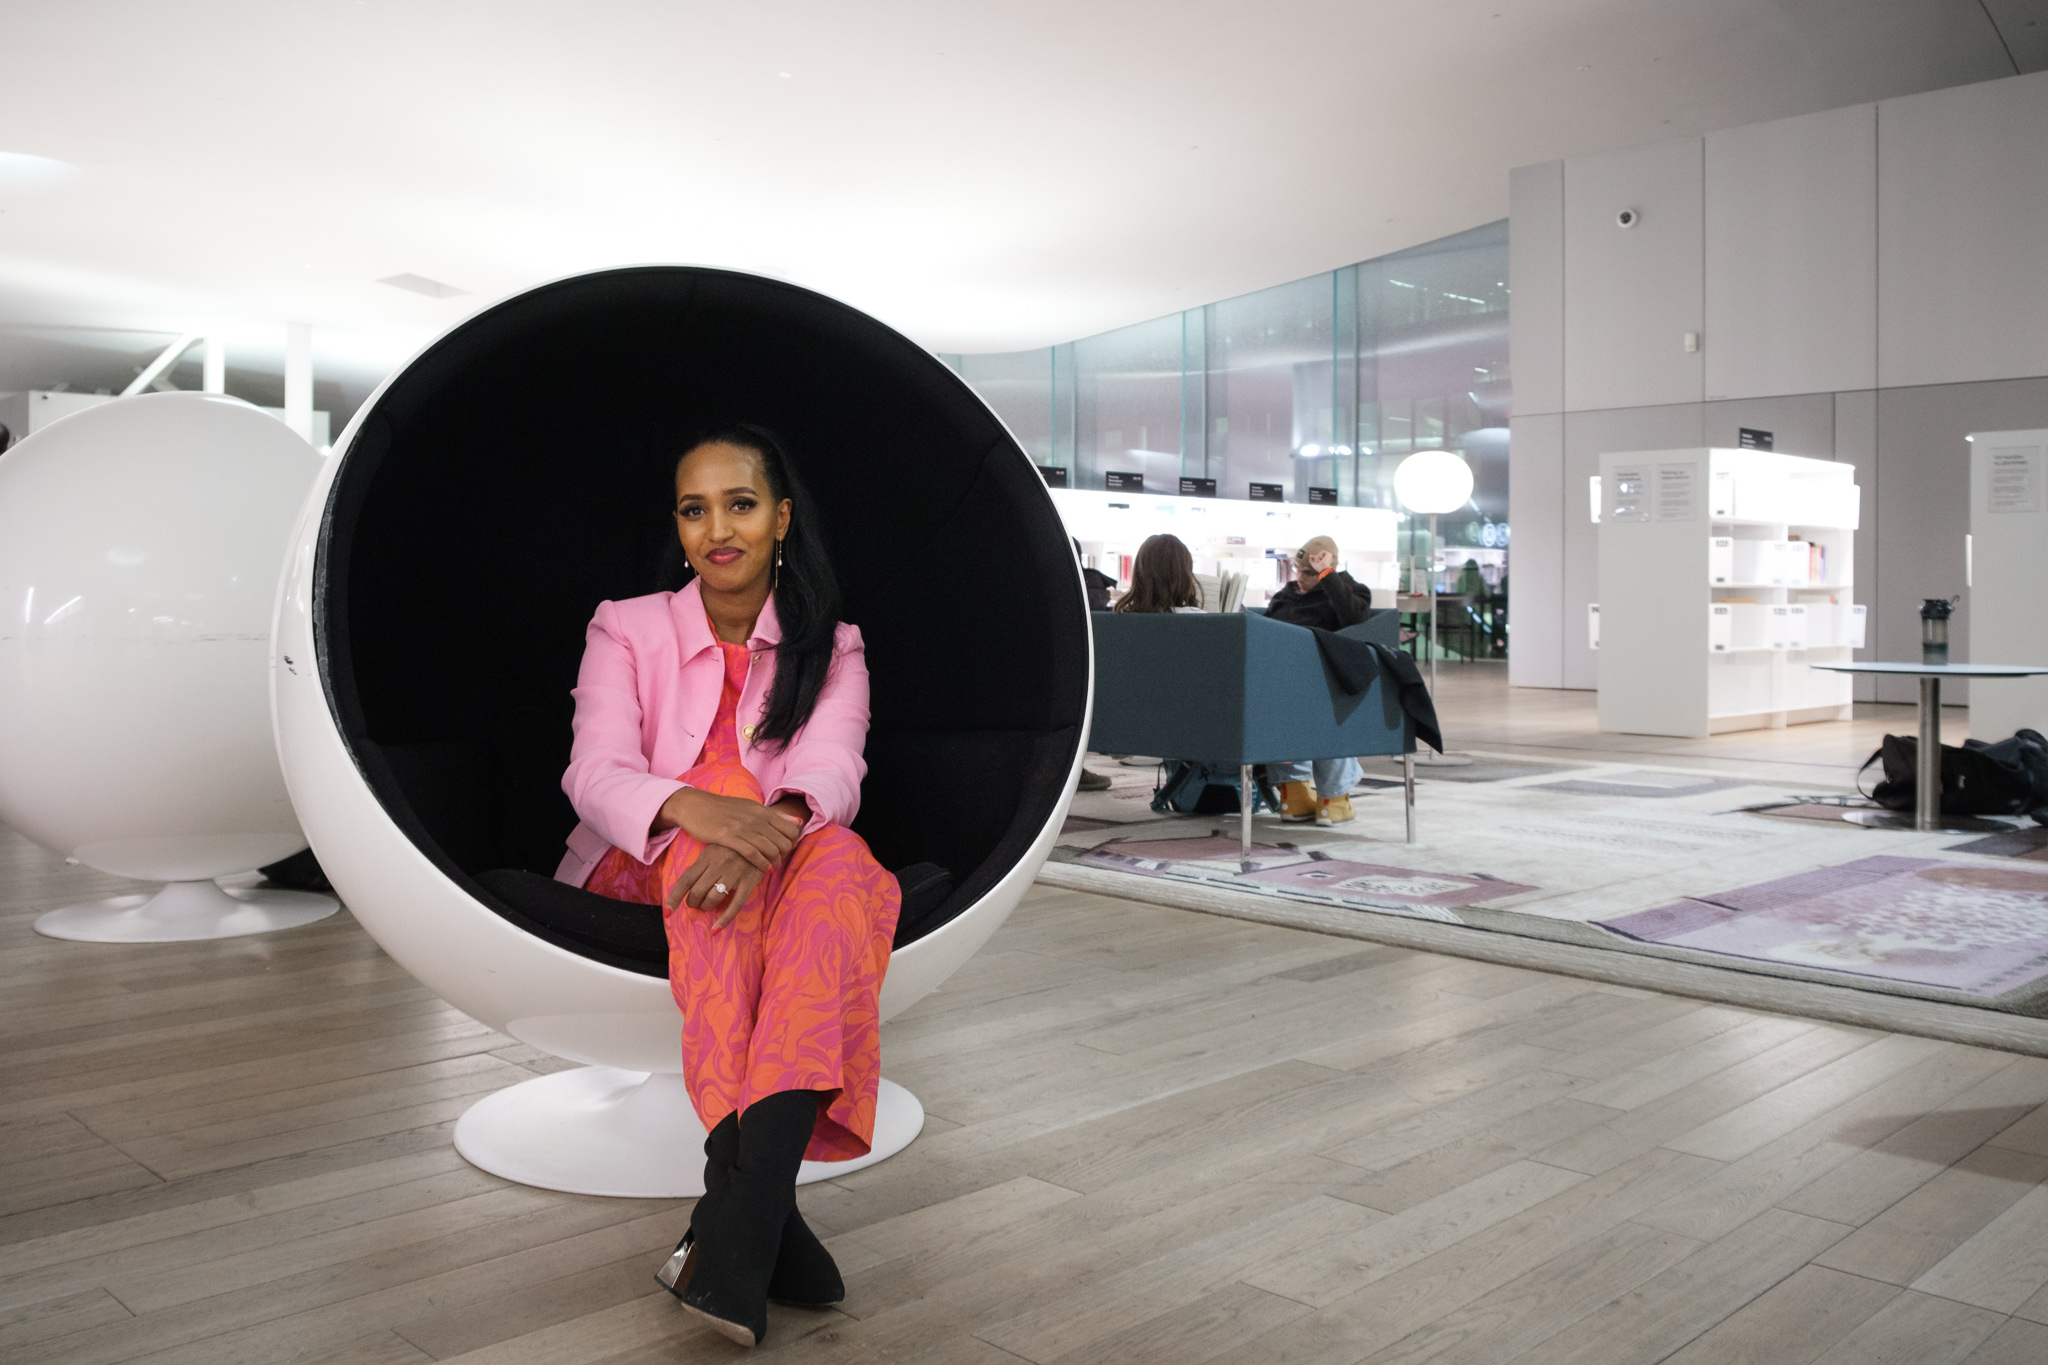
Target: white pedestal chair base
(629,1135)
(186,912)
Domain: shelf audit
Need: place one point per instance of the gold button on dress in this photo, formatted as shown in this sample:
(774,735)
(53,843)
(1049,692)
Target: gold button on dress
(749,733)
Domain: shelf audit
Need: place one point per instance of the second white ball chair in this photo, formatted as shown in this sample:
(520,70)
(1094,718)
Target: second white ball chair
(482,503)
(140,545)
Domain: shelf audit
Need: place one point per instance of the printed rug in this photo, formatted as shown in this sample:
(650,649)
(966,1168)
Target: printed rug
(1965,927)
(1622,857)
(1311,875)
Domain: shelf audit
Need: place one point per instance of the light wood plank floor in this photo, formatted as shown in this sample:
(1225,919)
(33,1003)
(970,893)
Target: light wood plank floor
(1155,1136)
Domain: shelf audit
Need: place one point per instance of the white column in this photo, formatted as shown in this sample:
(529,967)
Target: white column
(298,378)
(215,378)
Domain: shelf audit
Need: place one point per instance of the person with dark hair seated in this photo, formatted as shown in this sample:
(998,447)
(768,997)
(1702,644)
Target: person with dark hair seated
(1162,578)
(1326,598)
(716,765)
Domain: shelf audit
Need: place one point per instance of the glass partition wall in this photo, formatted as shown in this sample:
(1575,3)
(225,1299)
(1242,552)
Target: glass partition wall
(1308,392)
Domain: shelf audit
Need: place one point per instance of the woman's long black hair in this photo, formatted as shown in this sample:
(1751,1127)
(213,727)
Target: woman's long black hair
(806,591)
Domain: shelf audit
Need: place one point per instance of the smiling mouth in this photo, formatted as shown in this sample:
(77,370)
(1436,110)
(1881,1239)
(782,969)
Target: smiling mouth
(725,555)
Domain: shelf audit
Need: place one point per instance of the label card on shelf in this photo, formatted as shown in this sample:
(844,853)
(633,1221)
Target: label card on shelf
(1749,438)
(2015,482)
(1721,494)
(1678,492)
(1197,488)
(1630,500)
(1119,481)
(1268,492)
(1721,559)
(1055,475)
(1322,497)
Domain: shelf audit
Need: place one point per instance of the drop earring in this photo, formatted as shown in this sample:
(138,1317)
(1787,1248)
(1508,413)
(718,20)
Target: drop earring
(777,584)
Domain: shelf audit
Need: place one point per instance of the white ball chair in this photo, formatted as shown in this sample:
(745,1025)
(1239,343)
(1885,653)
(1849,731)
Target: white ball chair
(140,545)
(482,503)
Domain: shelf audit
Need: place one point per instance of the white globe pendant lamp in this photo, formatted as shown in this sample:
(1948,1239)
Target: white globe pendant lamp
(1431,482)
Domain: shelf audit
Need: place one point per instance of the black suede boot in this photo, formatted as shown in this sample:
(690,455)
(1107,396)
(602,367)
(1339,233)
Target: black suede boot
(720,1146)
(805,1275)
(740,1236)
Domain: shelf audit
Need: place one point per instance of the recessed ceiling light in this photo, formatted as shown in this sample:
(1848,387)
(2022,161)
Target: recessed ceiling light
(420,284)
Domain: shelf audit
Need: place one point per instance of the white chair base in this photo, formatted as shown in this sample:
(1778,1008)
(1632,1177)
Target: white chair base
(186,912)
(629,1135)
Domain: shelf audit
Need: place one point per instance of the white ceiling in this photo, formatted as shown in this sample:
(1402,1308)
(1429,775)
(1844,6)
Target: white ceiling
(987,176)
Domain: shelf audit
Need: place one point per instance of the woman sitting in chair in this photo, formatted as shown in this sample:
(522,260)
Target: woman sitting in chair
(715,768)
(1162,578)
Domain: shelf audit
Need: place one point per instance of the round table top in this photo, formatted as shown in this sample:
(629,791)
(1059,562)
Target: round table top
(1941,670)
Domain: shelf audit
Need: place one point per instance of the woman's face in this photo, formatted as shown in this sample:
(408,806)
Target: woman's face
(725,518)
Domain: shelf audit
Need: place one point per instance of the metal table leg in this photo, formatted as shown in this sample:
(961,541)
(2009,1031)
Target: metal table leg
(1926,815)
(1408,792)
(1927,767)
(1244,806)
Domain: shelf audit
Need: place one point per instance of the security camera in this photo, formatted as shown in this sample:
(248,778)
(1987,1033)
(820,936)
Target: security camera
(1627,218)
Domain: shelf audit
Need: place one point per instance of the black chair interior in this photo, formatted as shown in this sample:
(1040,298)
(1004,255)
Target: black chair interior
(518,473)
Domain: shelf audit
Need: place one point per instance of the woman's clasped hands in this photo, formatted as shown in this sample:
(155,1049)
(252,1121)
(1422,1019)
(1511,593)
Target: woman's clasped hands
(743,841)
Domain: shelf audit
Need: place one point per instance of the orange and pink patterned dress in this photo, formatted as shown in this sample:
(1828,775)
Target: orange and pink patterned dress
(786,996)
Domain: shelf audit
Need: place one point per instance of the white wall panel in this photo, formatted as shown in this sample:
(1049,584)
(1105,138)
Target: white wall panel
(1536,275)
(1791,255)
(1631,294)
(1963,233)
(1536,574)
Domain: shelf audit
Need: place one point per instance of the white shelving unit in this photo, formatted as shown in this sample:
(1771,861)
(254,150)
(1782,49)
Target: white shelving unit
(1723,575)
(2008,559)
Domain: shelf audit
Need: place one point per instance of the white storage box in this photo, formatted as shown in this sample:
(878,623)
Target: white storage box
(1785,627)
(1721,560)
(1720,627)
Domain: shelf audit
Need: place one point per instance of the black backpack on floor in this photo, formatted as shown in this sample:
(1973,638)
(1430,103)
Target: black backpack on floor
(2006,778)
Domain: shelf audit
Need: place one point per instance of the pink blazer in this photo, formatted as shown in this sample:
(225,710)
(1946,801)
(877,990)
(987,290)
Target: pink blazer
(645,699)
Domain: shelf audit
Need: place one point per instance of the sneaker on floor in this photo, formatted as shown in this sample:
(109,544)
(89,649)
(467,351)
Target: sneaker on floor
(1092,782)
(1297,803)
(1335,810)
